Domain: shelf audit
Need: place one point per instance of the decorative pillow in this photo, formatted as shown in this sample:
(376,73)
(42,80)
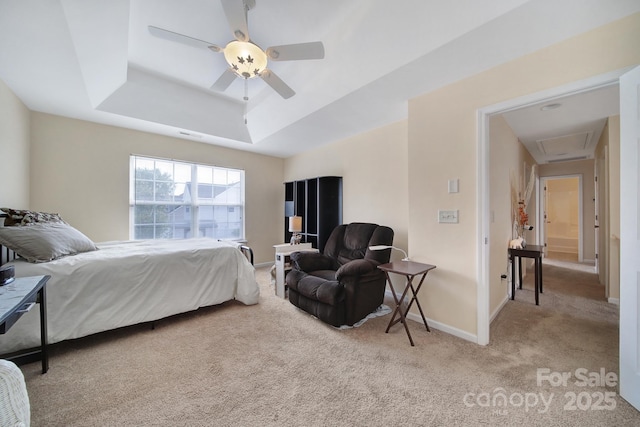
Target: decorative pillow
(27,217)
(44,242)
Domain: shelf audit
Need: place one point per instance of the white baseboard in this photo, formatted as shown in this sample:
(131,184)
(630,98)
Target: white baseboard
(615,301)
(439,326)
(499,309)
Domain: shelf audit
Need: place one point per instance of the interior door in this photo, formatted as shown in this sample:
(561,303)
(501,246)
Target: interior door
(630,237)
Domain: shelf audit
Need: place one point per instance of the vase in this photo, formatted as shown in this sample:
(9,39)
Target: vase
(521,235)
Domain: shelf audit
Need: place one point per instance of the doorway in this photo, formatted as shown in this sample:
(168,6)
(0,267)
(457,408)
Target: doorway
(485,214)
(561,219)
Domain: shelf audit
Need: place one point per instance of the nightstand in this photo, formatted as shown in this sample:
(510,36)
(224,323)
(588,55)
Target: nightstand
(16,299)
(283,263)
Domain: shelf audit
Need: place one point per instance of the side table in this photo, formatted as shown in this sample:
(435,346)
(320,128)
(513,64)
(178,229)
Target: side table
(16,299)
(283,262)
(529,251)
(409,269)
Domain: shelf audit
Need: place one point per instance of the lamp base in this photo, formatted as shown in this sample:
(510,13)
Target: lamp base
(296,239)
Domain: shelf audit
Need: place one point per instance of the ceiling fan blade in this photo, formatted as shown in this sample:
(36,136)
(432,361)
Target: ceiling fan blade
(277,84)
(236,13)
(290,52)
(224,81)
(181,38)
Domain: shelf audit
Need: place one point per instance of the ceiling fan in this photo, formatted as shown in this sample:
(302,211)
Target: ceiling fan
(245,58)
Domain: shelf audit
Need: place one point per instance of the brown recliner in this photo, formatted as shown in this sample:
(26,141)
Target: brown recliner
(342,285)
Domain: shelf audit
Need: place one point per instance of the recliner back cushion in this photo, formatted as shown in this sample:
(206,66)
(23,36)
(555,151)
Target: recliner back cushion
(355,241)
(357,235)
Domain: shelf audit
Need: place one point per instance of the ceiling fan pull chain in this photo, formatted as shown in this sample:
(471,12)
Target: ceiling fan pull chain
(246,99)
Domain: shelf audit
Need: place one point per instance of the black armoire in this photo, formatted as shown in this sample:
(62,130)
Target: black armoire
(319,202)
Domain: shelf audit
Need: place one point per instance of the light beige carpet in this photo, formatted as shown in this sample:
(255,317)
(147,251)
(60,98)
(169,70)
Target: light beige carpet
(273,365)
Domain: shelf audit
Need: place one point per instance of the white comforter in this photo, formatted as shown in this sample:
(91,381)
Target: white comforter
(125,283)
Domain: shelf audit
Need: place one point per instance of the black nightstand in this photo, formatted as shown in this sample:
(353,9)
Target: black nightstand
(16,299)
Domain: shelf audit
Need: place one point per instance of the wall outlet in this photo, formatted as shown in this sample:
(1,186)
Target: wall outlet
(449,217)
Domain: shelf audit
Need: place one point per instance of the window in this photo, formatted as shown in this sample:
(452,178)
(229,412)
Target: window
(178,200)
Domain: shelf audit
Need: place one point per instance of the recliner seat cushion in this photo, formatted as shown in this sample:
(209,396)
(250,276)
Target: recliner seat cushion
(325,274)
(318,288)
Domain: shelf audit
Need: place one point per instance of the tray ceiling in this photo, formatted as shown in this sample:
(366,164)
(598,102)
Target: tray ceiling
(95,60)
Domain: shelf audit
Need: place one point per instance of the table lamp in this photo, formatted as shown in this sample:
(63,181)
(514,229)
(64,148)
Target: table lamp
(382,247)
(295,227)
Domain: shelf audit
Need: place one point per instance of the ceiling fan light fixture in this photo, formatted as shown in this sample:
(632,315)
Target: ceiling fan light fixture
(246,59)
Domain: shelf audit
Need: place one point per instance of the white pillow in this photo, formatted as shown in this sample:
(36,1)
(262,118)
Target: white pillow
(44,242)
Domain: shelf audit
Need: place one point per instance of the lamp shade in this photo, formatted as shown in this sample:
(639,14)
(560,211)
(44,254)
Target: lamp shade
(295,224)
(383,247)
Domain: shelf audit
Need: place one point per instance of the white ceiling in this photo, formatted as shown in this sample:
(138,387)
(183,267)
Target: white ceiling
(95,60)
(565,128)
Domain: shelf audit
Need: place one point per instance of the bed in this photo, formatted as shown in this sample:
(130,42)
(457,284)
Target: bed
(125,283)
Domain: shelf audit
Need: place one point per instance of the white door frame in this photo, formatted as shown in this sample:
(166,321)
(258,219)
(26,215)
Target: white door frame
(482,189)
(543,209)
(630,238)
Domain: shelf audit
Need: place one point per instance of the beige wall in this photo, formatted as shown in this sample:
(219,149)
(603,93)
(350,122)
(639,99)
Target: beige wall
(443,145)
(14,150)
(374,176)
(507,159)
(81,170)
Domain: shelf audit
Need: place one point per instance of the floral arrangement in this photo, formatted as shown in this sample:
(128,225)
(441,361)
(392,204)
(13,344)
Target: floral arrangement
(520,201)
(523,217)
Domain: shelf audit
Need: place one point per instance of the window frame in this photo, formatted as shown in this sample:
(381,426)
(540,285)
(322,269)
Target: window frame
(194,204)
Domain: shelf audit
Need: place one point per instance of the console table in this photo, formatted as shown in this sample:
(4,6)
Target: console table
(409,269)
(529,251)
(16,299)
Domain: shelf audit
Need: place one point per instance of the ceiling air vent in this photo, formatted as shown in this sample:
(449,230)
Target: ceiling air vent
(193,135)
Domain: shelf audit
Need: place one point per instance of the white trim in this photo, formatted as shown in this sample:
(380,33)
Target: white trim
(432,323)
(441,327)
(483,202)
(541,223)
(483,199)
(500,307)
(615,301)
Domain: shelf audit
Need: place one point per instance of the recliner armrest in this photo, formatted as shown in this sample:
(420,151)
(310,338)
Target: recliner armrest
(357,267)
(312,261)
